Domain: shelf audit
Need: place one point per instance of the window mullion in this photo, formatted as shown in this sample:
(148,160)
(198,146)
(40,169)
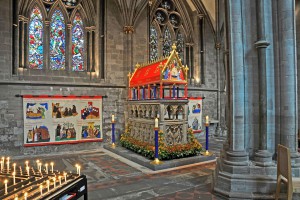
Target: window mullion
(47,45)
(69,64)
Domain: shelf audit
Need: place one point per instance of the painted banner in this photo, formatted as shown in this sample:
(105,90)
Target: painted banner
(195,114)
(61,119)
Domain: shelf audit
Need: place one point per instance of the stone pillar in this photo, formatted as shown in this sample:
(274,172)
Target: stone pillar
(21,41)
(262,157)
(93,52)
(218,47)
(88,50)
(128,30)
(201,46)
(218,128)
(288,75)
(236,155)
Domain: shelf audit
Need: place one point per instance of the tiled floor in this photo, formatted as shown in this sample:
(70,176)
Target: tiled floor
(113,177)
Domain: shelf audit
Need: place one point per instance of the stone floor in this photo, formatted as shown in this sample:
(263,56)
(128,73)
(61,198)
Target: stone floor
(113,177)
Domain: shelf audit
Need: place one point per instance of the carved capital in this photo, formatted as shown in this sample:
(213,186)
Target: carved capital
(69,26)
(218,46)
(128,29)
(201,16)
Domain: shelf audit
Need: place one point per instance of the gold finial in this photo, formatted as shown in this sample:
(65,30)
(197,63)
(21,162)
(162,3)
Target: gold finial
(160,65)
(186,68)
(137,65)
(129,74)
(174,46)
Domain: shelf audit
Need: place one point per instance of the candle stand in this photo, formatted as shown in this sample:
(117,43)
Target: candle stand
(113,138)
(40,184)
(156,161)
(207,153)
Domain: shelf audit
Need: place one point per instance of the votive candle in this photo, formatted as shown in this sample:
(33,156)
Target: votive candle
(54,181)
(41,189)
(7,162)
(46,165)
(14,177)
(25,195)
(65,175)
(14,165)
(48,185)
(5,186)
(52,163)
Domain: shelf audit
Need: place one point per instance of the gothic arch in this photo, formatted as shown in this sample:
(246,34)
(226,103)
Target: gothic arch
(83,15)
(31,5)
(202,10)
(187,25)
(60,6)
(89,12)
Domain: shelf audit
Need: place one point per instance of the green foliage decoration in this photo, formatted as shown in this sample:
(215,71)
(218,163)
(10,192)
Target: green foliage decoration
(165,152)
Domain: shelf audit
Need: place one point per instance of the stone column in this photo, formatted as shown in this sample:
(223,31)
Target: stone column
(262,157)
(288,75)
(236,155)
(201,46)
(218,48)
(128,30)
(93,52)
(218,128)
(21,41)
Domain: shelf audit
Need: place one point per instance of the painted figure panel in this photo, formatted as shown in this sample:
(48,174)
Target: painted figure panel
(35,55)
(77,44)
(57,41)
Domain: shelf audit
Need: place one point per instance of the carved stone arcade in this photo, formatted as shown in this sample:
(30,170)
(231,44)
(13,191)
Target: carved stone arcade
(172,120)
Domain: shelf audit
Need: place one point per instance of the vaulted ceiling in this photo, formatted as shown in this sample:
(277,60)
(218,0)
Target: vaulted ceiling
(130,10)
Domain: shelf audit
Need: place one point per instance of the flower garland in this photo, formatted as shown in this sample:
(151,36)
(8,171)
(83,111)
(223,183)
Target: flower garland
(165,152)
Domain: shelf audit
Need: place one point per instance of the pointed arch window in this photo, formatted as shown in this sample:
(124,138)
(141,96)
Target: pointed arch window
(55,35)
(169,28)
(77,44)
(153,43)
(36,47)
(57,41)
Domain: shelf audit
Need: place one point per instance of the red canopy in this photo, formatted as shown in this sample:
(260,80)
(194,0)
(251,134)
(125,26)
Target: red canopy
(167,71)
(148,74)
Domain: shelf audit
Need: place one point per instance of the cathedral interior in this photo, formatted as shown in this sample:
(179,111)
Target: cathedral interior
(239,56)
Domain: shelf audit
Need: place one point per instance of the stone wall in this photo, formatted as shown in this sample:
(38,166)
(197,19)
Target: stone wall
(114,84)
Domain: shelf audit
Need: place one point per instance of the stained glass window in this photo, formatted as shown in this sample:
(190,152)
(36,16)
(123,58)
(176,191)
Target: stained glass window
(167,45)
(77,44)
(153,43)
(57,41)
(35,54)
(180,46)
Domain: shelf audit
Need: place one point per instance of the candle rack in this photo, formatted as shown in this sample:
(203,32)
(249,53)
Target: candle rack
(22,185)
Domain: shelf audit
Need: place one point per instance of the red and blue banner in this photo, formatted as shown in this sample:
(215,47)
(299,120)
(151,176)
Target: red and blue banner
(61,119)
